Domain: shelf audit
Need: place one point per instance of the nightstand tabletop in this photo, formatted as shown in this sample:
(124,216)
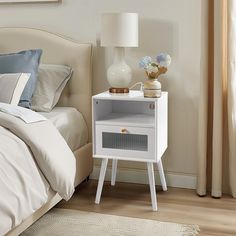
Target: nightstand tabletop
(134,95)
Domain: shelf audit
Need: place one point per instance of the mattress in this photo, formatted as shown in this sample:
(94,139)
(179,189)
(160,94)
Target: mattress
(71,125)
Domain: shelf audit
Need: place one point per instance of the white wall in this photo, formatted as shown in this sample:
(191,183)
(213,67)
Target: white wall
(173,26)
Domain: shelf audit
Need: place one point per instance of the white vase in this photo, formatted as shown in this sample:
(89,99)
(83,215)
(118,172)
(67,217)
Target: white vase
(152,88)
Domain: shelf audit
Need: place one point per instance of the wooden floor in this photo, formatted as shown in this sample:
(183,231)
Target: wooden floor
(214,216)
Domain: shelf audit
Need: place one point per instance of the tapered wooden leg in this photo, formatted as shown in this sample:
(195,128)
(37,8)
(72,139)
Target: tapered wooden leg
(162,175)
(101,180)
(152,185)
(114,171)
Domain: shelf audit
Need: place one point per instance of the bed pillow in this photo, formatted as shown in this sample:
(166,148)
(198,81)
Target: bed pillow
(23,62)
(12,86)
(51,81)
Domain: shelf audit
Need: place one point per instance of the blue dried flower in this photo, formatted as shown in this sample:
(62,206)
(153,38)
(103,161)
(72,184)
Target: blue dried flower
(145,61)
(163,60)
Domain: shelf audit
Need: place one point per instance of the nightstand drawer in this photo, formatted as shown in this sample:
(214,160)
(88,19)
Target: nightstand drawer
(128,142)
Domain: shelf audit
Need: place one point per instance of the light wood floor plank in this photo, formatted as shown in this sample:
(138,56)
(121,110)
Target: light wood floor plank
(216,217)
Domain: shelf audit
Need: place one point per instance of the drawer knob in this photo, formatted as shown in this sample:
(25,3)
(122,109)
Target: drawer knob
(124,130)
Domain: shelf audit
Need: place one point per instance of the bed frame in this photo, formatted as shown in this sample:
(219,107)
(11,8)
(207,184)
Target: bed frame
(58,50)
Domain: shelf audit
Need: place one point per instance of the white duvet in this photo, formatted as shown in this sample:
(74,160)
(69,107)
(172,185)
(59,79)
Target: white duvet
(33,158)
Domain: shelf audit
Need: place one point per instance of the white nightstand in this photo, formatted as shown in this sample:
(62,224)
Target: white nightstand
(130,127)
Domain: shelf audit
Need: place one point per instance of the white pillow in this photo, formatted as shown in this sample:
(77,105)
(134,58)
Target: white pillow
(12,86)
(51,81)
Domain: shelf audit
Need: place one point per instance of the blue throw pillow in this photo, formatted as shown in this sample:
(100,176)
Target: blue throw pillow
(23,62)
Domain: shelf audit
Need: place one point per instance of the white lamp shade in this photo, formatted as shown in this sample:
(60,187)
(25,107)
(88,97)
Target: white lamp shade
(119,30)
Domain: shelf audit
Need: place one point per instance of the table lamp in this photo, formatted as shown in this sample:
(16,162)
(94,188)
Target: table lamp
(119,30)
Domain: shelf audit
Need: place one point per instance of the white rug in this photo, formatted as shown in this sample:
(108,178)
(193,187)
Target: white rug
(63,222)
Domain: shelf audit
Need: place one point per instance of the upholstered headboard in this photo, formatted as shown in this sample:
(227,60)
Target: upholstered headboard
(57,50)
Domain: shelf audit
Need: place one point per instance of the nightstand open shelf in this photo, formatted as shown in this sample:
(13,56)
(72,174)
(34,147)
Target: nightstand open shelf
(130,127)
(128,119)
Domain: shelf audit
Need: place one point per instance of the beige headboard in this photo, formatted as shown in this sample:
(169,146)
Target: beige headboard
(57,50)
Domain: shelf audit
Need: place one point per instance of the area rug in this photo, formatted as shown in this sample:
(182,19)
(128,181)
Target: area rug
(63,222)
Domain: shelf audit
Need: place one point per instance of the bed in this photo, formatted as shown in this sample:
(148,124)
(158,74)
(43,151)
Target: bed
(74,103)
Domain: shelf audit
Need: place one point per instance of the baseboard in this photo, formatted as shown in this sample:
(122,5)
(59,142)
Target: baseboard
(139,176)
